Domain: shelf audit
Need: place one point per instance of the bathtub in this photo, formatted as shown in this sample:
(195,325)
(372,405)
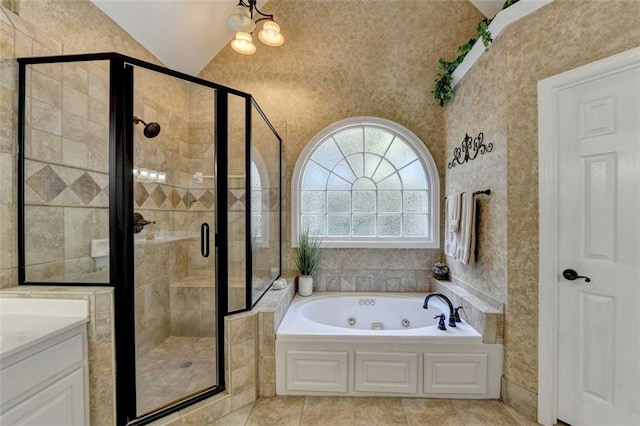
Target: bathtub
(381,344)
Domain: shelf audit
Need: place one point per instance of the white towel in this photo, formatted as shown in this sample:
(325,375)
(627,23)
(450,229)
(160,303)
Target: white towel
(452,217)
(466,236)
(453,211)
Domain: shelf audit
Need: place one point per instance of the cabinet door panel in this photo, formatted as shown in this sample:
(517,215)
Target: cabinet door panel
(62,403)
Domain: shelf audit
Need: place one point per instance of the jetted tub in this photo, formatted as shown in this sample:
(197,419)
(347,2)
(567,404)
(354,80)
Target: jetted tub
(385,344)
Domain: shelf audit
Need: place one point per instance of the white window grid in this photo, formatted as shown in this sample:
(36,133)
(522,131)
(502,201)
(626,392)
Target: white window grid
(345,166)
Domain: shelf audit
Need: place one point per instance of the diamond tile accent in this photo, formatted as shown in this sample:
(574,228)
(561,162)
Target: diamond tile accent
(46,183)
(140,194)
(189,199)
(207,199)
(158,196)
(236,199)
(85,188)
(274,199)
(174,198)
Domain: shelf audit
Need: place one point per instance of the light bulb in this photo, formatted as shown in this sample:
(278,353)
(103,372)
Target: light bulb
(240,20)
(144,173)
(270,34)
(153,175)
(162,177)
(135,172)
(243,44)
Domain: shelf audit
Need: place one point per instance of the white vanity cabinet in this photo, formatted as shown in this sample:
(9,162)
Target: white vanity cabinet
(44,366)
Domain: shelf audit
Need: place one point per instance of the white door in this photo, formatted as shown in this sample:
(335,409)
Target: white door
(599,238)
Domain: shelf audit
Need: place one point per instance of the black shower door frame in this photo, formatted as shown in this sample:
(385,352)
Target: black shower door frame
(121,206)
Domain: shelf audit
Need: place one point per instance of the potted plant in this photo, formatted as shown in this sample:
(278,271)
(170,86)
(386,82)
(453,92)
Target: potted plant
(307,258)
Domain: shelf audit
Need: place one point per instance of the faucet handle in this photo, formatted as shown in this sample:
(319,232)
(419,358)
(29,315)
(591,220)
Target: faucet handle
(441,325)
(456,315)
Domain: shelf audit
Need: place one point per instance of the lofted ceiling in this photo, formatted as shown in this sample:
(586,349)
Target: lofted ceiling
(186,34)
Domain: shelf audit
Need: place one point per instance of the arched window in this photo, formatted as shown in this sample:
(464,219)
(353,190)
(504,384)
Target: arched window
(366,182)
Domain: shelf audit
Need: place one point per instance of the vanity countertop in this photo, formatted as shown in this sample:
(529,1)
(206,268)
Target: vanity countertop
(25,322)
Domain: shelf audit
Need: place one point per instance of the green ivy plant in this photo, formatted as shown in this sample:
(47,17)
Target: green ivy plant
(443,89)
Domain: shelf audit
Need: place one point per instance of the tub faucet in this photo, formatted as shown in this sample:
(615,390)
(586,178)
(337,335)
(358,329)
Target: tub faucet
(452,315)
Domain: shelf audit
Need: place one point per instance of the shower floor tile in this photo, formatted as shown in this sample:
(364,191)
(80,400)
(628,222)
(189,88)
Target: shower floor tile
(160,378)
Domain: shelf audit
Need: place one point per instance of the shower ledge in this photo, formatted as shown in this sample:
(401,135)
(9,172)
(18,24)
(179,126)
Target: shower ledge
(499,23)
(164,236)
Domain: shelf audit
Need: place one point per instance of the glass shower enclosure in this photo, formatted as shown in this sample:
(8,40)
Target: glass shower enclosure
(164,186)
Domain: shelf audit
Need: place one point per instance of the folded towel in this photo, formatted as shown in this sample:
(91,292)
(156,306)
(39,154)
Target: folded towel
(451,227)
(466,236)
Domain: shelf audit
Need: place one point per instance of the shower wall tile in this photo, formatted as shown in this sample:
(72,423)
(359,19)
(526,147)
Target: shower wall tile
(58,185)
(74,153)
(46,272)
(98,158)
(76,76)
(44,146)
(74,127)
(185,322)
(98,112)
(45,117)
(81,226)
(46,89)
(75,102)
(243,333)
(208,323)
(7,240)
(7,127)
(45,182)
(8,278)
(42,245)
(187,298)
(7,178)
(98,88)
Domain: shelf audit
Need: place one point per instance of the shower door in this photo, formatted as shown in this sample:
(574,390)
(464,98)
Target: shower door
(174,206)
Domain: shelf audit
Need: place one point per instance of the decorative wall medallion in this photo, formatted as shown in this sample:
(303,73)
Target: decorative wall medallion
(469,150)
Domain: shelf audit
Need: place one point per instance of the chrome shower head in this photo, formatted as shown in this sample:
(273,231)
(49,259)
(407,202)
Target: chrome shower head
(151,130)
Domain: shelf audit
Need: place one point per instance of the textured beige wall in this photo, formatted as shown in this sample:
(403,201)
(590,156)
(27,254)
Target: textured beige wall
(480,105)
(80,26)
(559,37)
(355,58)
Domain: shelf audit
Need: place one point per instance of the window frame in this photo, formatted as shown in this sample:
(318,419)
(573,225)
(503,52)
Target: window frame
(425,159)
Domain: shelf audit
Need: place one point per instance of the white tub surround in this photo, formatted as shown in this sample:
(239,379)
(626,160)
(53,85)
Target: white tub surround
(44,374)
(381,344)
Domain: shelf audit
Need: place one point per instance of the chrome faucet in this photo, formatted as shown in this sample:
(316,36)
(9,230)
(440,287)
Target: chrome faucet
(452,314)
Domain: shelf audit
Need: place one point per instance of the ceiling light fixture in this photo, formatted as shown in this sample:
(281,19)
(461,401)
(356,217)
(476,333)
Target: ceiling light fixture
(242,21)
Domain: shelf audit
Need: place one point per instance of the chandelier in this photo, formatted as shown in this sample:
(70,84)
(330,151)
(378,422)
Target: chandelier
(242,21)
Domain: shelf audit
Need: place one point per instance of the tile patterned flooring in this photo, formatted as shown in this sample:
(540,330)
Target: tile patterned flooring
(348,411)
(160,379)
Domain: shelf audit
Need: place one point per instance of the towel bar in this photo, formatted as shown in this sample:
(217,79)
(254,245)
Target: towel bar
(486,191)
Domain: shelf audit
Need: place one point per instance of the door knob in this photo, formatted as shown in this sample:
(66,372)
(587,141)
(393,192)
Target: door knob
(571,275)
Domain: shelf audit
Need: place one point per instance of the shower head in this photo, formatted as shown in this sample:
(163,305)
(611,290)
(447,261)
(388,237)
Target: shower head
(151,130)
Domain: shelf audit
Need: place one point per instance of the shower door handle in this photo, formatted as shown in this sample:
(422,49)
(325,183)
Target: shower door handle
(204,240)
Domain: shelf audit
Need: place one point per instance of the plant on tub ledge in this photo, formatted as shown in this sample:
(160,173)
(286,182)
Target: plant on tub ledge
(307,258)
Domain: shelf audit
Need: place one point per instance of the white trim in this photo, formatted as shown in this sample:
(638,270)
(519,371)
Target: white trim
(500,22)
(424,156)
(548,95)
